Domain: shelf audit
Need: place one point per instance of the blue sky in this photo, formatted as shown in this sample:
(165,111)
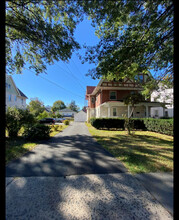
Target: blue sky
(70,76)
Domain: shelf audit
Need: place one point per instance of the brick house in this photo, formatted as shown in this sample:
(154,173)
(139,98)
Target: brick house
(107,99)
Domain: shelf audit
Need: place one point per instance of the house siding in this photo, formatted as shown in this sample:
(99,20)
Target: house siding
(11,91)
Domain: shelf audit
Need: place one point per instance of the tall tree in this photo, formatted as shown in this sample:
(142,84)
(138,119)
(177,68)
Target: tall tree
(36,106)
(58,105)
(73,106)
(39,33)
(135,37)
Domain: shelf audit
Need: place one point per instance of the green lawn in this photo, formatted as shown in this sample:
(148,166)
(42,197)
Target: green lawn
(142,152)
(16,147)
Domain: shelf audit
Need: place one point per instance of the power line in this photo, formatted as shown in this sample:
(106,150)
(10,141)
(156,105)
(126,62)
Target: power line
(56,84)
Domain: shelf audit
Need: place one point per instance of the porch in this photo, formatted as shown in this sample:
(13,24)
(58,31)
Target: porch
(115,109)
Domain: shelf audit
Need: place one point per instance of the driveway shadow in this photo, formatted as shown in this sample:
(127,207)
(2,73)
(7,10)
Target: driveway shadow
(63,156)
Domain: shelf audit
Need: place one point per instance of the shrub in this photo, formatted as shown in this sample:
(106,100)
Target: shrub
(37,132)
(107,123)
(55,127)
(163,126)
(16,118)
(66,122)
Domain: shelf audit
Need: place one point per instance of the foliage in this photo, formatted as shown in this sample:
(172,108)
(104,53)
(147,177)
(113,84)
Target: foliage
(128,124)
(66,122)
(36,106)
(41,33)
(37,132)
(135,37)
(58,105)
(107,123)
(16,118)
(133,99)
(42,115)
(163,126)
(55,127)
(73,106)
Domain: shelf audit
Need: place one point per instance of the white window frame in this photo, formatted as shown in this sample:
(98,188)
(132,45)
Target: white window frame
(114,111)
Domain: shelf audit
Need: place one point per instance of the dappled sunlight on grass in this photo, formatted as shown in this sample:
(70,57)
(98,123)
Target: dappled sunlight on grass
(141,152)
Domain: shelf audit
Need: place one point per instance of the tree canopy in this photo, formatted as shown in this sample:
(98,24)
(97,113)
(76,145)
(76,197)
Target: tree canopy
(39,33)
(36,106)
(135,37)
(58,105)
(73,106)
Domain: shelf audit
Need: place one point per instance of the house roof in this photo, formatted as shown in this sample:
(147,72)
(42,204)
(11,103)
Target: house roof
(21,93)
(66,110)
(90,89)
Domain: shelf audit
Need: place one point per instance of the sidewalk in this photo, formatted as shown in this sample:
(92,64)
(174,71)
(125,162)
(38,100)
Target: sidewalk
(160,185)
(81,197)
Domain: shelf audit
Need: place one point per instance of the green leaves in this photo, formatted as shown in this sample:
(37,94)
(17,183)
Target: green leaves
(41,32)
(135,37)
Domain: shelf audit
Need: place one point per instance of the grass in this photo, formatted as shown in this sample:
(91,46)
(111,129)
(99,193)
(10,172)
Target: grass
(141,152)
(17,147)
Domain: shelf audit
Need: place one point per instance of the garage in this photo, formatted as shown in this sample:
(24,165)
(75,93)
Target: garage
(80,116)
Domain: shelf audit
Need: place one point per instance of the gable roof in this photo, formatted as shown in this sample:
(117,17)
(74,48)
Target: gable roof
(66,110)
(19,92)
(90,89)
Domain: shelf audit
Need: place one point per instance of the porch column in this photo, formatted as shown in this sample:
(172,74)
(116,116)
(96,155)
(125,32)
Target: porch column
(128,111)
(108,112)
(147,111)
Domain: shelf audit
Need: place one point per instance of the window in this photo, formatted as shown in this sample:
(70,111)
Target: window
(166,113)
(15,98)
(21,101)
(92,100)
(114,112)
(9,98)
(112,96)
(156,113)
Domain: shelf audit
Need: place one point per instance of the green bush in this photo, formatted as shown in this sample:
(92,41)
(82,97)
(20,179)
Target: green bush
(16,118)
(107,123)
(37,132)
(163,126)
(55,127)
(66,122)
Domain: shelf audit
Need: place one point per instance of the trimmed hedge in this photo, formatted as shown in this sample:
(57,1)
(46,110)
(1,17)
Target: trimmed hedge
(164,126)
(116,123)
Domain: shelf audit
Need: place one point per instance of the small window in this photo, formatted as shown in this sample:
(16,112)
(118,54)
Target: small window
(92,100)
(21,101)
(114,112)
(156,113)
(166,113)
(113,96)
(15,98)
(9,98)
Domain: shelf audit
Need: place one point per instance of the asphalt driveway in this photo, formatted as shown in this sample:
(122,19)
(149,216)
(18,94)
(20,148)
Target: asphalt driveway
(72,177)
(72,152)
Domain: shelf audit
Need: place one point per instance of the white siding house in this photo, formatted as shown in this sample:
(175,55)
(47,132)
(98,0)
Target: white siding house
(66,112)
(14,96)
(162,95)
